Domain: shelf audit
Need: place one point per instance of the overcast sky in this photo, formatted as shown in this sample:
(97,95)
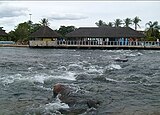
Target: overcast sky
(76,13)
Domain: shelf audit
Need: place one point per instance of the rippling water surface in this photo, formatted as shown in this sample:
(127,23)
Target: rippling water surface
(28,75)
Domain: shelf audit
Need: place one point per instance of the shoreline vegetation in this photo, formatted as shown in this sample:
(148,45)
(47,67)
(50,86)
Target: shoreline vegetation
(22,31)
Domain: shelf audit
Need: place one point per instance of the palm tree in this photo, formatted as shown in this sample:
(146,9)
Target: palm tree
(153,29)
(136,20)
(44,22)
(100,23)
(127,22)
(118,22)
(153,25)
(110,24)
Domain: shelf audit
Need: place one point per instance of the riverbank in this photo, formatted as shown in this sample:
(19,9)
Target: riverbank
(107,47)
(13,45)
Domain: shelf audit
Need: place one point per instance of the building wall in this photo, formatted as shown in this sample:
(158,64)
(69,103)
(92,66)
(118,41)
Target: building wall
(42,43)
(49,39)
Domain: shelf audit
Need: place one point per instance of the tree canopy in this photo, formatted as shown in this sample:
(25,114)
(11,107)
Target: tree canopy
(63,30)
(100,23)
(152,30)
(136,20)
(44,22)
(117,22)
(22,31)
(127,22)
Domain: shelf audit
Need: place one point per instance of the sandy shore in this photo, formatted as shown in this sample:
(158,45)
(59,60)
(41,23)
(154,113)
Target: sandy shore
(13,45)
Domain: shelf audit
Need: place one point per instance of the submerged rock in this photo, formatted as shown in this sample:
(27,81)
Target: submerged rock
(83,77)
(121,60)
(78,102)
(60,89)
(93,103)
(100,78)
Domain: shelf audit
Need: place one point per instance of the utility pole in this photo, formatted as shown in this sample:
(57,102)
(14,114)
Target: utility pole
(30,24)
(30,16)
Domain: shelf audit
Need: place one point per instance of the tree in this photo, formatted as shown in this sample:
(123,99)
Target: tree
(3,35)
(127,22)
(63,30)
(22,32)
(12,36)
(136,20)
(117,22)
(35,27)
(100,23)
(110,24)
(153,30)
(44,22)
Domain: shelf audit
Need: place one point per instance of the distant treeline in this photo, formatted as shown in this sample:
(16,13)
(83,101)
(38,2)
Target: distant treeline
(23,30)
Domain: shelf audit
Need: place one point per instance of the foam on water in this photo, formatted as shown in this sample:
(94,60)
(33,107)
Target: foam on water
(11,78)
(40,78)
(115,51)
(30,68)
(44,88)
(112,80)
(139,54)
(56,105)
(76,66)
(113,66)
(130,54)
(62,68)
(41,66)
(18,77)
(94,69)
(68,76)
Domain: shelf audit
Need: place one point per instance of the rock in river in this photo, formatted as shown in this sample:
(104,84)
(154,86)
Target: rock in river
(77,100)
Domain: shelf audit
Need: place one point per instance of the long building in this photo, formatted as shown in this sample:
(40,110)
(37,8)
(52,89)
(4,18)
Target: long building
(104,35)
(93,37)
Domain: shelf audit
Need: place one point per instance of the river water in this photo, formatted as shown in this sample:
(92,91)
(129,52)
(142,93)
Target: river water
(130,88)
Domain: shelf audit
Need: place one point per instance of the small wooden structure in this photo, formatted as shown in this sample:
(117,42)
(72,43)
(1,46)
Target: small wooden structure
(44,37)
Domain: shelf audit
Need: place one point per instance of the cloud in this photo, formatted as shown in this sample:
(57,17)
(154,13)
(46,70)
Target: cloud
(66,16)
(7,10)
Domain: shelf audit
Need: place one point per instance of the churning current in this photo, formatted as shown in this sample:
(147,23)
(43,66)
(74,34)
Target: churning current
(125,82)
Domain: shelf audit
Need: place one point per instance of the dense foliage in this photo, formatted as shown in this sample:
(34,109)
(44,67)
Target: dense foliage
(63,30)
(152,31)
(23,30)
